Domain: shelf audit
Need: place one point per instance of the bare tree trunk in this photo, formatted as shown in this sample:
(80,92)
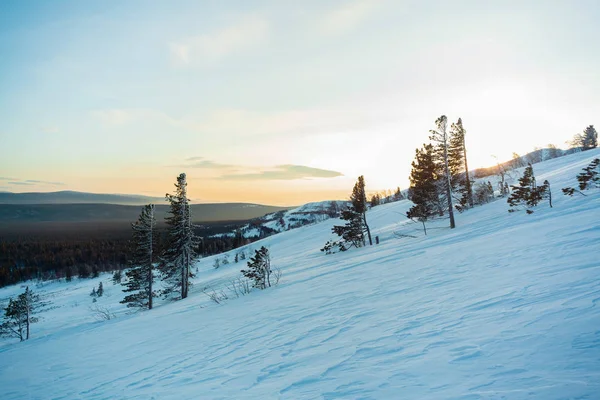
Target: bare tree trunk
(469,188)
(368,230)
(448,187)
(27,313)
(150,275)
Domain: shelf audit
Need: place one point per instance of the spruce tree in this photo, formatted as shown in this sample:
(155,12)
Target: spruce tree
(440,137)
(527,193)
(423,191)
(19,315)
(182,242)
(458,166)
(353,232)
(140,276)
(590,175)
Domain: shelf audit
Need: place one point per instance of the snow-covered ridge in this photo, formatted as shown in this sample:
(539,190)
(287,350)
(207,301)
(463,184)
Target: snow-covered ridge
(503,306)
(310,213)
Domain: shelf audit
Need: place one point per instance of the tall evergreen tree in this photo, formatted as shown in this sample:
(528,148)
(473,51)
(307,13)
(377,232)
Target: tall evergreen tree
(440,137)
(353,232)
(586,140)
(458,166)
(423,191)
(182,242)
(140,276)
(19,315)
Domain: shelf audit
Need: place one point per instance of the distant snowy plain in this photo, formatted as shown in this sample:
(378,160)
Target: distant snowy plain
(505,306)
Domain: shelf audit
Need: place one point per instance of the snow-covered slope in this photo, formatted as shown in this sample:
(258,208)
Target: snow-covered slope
(307,214)
(506,306)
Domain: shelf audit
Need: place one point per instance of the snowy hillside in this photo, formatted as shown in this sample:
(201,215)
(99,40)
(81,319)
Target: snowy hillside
(505,306)
(310,213)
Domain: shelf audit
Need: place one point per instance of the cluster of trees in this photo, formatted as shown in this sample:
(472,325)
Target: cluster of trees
(173,264)
(586,140)
(439,179)
(19,314)
(44,258)
(386,197)
(527,194)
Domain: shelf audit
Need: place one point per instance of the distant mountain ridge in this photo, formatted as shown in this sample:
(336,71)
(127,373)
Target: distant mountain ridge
(21,213)
(73,197)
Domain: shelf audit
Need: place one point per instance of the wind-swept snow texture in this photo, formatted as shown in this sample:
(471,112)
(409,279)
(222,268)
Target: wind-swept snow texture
(505,306)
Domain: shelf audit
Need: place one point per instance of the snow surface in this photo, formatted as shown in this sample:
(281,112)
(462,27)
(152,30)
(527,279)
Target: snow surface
(505,306)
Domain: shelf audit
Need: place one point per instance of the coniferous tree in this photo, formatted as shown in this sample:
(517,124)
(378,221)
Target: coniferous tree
(398,195)
(588,140)
(353,232)
(590,177)
(117,277)
(140,277)
(182,242)
(100,290)
(19,315)
(527,193)
(458,166)
(259,269)
(423,191)
(440,137)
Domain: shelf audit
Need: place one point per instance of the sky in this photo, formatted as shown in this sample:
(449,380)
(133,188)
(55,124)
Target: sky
(281,102)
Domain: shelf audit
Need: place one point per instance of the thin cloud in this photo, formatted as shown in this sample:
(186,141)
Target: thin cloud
(203,163)
(208,48)
(286,172)
(33,181)
(21,183)
(3,178)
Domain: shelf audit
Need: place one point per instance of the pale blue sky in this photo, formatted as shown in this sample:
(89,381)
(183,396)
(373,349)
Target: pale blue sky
(281,101)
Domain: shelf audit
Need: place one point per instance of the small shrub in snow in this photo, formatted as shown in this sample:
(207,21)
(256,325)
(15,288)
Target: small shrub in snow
(102,313)
(331,246)
(216,263)
(239,287)
(217,296)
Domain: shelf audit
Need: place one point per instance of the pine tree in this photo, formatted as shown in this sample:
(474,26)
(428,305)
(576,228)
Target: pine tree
(353,232)
(19,315)
(259,269)
(590,175)
(458,166)
(100,290)
(440,137)
(588,140)
(182,242)
(140,276)
(398,195)
(117,277)
(423,191)
(527,193)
